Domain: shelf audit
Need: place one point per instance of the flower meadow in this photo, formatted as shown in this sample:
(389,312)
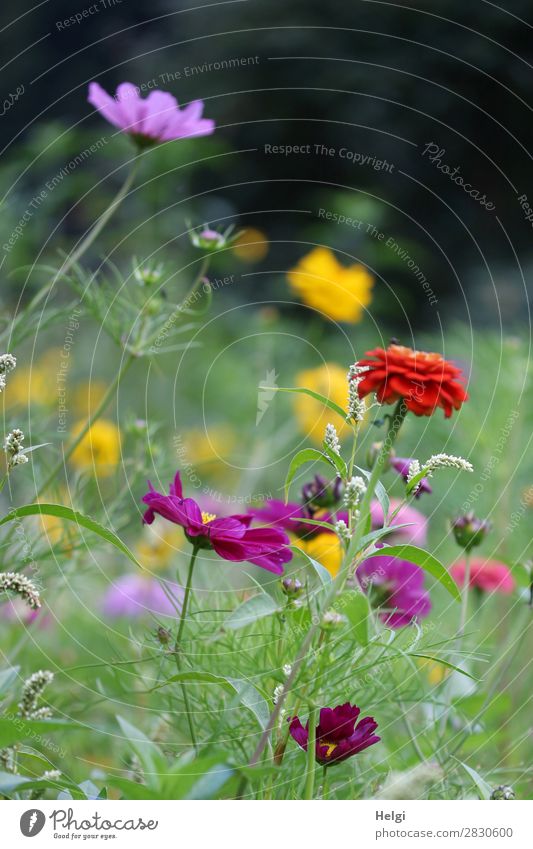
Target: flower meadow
(252,547)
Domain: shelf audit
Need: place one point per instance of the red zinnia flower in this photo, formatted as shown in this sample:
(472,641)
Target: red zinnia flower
(425,381)
(487,575)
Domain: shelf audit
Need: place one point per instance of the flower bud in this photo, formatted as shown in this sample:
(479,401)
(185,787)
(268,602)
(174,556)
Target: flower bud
(210,240)
(147,273)
(292,587)
(469,531)
(332,621)
(372,456)
(163,636)
(503,791)
(320,493)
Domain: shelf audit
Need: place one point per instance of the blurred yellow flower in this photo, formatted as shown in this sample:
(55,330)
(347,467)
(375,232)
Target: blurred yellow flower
(35,384)
(339,292)
(99,450)
(330,381)
(252,245)
(324,547)
(59,533)
(159,545)
(435,672)
(86,396)
(207,447)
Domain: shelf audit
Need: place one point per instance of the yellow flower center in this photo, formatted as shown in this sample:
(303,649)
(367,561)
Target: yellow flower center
(331,747)
(208,517)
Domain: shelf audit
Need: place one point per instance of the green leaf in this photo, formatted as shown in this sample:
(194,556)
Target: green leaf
(316,395)
(444,663)
(380,492)
(16,729)
(321,571)
(327,525)
(191,777)
(210,782)
(336,461)
(306,455)
(250,611)
(8,677)
(355,607)
(425,560)
(72,516)
(10,783)
(415,480)
(149,754)
(132,789)
(374,536)
(483,787)
(247,694)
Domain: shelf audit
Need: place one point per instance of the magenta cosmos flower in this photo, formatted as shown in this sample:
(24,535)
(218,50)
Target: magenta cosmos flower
(133,596)
(486,575)
(396,588)
(156,118)
(286,516)
(230,536)
(339,734)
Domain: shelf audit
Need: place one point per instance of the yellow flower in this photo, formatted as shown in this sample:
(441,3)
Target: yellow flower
(59,533)
(87,396)
(435,672)
(330,381)
(99,450)
(337,291)
(208,447)
(251,245)
(324,547)
(35,383)
(159,545)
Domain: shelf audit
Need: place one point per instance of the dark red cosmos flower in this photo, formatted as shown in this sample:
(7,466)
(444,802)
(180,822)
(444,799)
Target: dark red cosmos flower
(338,734)
(230,536)
(425,381)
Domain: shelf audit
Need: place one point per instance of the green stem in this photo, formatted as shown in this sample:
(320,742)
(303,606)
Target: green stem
(507,658)
(464,600)
(185,604)
(337,584)
(97,228)
(88,424)
(325,787)
(86,243)
(460,633)
(177,647)
(395,422)
(311,747)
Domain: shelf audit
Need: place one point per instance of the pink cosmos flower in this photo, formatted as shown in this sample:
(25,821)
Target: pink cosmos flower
(230,536)
(15,610)
(396,588)
(487,575)
(150,120)
(136,595)
(416,533)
